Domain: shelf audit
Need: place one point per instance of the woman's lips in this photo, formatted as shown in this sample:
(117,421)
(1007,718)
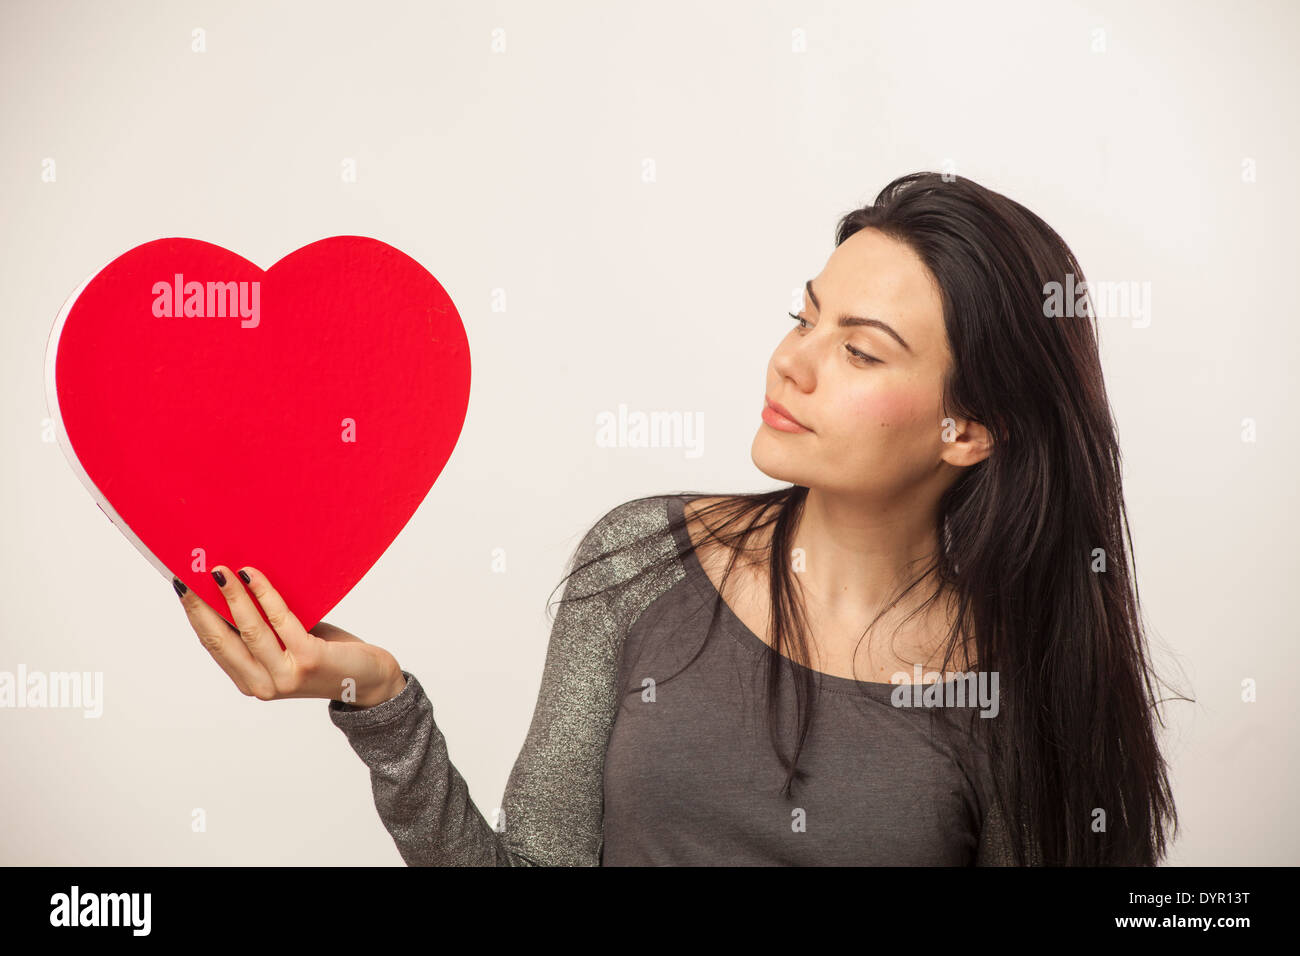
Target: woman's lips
(778,418)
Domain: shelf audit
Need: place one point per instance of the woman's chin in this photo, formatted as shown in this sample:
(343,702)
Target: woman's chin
(777,463)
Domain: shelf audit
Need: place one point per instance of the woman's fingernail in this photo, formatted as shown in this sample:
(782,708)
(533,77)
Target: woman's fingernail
(243,576)
(219,578)
(179,588)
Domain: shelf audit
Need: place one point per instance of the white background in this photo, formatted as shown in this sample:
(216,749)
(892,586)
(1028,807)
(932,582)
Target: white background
(522,170)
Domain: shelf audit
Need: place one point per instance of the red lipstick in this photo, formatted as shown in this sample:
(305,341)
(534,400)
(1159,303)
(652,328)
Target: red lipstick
(776,416)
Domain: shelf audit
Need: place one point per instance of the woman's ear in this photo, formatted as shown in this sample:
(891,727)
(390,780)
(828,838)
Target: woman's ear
(965,442)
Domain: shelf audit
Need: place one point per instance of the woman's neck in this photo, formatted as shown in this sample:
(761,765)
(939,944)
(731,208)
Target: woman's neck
(858,553)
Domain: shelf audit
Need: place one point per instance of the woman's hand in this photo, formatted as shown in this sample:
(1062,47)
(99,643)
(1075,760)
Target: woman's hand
(319,663)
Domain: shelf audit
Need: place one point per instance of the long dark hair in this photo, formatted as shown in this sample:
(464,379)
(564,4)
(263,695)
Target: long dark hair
(1021,533)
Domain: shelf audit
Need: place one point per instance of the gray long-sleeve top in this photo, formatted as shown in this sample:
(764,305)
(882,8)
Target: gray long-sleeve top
(622,766)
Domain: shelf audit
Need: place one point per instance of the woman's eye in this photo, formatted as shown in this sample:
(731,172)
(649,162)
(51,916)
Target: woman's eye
(857,356)
(868,359)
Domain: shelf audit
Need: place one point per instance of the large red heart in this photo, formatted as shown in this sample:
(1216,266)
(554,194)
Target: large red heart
(292,421)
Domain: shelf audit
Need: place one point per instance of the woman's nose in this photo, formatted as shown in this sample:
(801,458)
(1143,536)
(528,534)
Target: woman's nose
(797,361)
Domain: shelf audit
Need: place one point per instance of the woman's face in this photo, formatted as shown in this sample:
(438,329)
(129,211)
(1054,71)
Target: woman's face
(874,422)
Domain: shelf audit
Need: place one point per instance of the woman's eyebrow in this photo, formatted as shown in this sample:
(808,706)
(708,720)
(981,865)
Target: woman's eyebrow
(850,320)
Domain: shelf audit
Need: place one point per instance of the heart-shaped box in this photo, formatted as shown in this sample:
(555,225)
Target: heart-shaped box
(290,419)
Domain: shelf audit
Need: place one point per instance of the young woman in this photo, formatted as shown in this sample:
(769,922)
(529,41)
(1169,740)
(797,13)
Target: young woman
(925,649)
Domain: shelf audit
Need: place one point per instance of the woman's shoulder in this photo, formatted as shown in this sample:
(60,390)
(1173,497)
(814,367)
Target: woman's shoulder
(649,528)
(630,520)
(627,538)
(630,556)
(637,517)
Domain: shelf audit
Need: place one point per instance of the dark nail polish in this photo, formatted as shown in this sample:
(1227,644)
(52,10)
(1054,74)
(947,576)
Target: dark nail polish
(245,578)
(179,588)
(219,578)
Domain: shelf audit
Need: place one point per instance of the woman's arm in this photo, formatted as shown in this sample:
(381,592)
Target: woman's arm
(995,848)
(552,811)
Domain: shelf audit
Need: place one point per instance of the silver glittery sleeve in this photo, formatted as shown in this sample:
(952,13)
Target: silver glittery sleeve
(995,847)
(552,810)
